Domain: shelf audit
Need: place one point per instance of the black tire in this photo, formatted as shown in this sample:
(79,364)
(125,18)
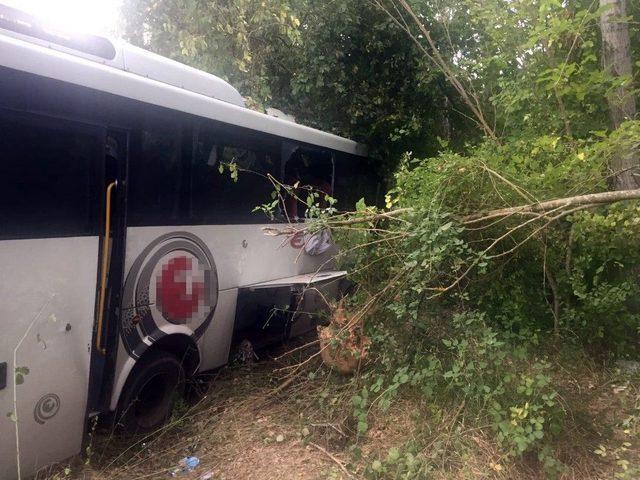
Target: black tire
(147,399)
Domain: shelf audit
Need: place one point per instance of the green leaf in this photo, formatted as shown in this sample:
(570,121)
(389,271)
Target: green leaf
(363,426)
(394,454)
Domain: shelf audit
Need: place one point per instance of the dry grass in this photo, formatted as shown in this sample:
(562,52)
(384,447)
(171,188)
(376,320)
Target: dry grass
(245,428)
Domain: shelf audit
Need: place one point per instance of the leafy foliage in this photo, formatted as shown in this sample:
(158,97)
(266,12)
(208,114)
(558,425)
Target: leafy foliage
(237,40)
(340,66)
(463,319)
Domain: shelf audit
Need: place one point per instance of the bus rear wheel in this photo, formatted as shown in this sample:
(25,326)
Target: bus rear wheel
(149,393)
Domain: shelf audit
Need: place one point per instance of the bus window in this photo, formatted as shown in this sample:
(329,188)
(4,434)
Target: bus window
(155,174)
(245,160)
(48,173)
(215,196)
(312,171)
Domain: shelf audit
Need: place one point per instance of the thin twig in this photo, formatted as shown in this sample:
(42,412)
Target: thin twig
(334,458)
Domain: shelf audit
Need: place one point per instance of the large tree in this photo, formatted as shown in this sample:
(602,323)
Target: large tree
(616,59)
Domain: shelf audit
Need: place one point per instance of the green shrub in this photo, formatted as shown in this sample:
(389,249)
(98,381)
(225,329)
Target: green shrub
(489,375)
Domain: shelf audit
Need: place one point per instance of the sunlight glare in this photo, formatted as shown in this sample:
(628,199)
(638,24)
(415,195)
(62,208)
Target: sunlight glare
(86,16)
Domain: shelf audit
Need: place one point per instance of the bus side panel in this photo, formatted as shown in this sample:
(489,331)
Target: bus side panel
(241,254)
(215,344)
(47,287)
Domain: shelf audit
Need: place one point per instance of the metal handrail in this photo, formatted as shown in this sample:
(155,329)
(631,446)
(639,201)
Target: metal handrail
(104,267)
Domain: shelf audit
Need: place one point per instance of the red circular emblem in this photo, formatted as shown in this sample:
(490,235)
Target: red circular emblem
(179,291)
(172,283)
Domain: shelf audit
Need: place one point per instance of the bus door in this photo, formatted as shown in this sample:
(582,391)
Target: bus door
(51,171)
(110,271)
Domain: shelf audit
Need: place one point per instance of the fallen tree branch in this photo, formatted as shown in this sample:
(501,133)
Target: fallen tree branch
(519,190)
(293,229)
(593,199)
(538,210)
(441,290)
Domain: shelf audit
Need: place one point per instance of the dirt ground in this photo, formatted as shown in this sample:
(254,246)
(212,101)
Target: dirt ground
(268,421)
(245,427)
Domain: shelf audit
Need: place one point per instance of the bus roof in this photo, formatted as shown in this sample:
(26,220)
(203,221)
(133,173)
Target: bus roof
(122,69)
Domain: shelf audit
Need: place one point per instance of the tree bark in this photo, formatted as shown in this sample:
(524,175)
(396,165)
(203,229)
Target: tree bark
(616,59)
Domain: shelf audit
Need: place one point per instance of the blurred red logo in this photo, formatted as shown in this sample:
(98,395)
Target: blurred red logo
(179,290)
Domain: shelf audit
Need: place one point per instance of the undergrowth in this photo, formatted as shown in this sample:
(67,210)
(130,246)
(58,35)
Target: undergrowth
(473,315)
(462,404)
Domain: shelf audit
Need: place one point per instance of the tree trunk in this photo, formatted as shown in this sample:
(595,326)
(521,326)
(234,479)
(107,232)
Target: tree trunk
(616,59)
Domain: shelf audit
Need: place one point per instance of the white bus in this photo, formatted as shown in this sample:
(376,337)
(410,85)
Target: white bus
(128,262)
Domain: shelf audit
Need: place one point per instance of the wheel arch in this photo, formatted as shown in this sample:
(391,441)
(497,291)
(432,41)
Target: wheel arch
(181,345)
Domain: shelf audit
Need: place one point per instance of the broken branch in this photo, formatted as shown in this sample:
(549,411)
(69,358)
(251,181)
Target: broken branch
(593,199)
(292,230)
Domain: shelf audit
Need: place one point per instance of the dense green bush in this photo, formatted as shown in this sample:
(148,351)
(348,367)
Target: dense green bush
(585,259)
(491,377)
(467,326)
